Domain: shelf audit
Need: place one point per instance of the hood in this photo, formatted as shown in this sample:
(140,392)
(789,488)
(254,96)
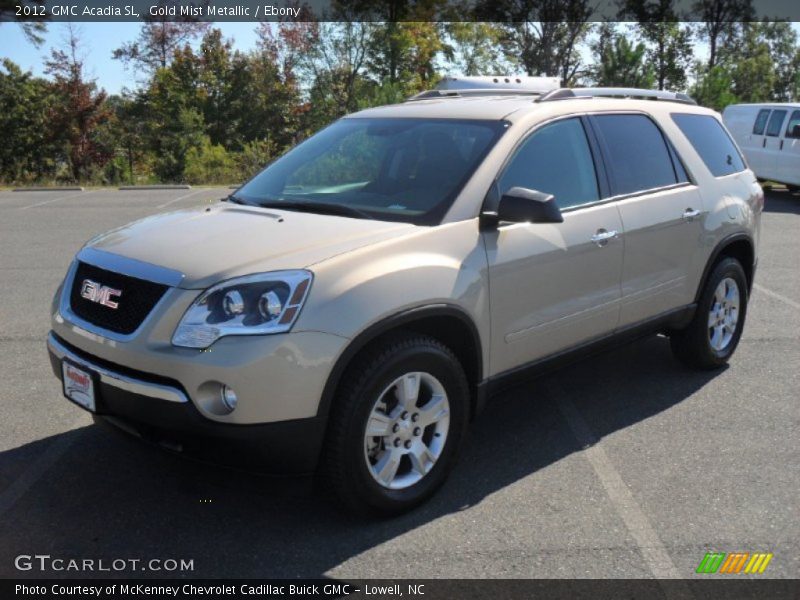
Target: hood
(215,243)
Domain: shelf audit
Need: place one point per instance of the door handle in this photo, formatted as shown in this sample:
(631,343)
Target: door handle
(602,237)
(690,214)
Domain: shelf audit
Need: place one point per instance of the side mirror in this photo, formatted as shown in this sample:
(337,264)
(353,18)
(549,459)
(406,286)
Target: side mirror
(796,131)
(521,205)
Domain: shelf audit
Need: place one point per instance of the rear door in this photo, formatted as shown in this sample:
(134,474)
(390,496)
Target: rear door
(787,163)
(554,285)
(661,213)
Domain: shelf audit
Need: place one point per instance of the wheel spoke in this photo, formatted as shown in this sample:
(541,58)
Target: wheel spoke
(435,410)
(408,390)
(716,337)
(421,458)
(379,425)
(387,465)
(712,318)
(732,294)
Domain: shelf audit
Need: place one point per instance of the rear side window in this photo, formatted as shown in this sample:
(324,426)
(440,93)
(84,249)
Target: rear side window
(639,157)
(761,122)
(555,159)
(711,142)
(776,122)
(793,129)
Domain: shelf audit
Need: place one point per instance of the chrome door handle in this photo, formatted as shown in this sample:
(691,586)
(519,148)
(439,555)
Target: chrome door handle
(690,214)
(602,236)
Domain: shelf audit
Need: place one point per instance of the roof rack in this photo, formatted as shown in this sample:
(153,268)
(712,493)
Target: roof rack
(611,92)
(493,85)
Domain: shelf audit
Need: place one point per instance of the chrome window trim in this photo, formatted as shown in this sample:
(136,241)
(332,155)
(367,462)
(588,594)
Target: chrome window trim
(117,380)
(620,197)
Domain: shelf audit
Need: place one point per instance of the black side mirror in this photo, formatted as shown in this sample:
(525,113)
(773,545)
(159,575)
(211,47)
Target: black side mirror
(796,131)
(521,205)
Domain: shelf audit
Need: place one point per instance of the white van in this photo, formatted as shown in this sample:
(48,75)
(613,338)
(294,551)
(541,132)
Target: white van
(769,136)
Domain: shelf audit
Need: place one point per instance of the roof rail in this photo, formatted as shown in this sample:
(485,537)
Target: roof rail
(431,94)
(611,92)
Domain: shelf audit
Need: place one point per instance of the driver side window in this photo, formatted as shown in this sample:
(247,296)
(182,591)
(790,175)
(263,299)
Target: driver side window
(555,159)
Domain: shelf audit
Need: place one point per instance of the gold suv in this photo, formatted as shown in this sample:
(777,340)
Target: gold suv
(349,309)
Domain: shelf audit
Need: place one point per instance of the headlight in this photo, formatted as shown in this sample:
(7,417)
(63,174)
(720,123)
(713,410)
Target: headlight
(252,305)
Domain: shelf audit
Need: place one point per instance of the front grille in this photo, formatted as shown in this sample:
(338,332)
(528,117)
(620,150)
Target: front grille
(136,300)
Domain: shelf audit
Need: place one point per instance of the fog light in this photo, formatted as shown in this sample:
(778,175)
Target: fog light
(228,396)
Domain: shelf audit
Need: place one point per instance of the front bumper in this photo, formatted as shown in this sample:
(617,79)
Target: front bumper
(158,410)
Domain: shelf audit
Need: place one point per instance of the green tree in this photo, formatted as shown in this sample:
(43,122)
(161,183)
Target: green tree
(718,19)
(158,41)
(713,87)
(27,152)
(471,48)
(209,163)
(620,63)
(543,36)
(669,47)
(174,125)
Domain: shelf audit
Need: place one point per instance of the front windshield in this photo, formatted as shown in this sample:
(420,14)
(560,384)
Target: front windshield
(387,169)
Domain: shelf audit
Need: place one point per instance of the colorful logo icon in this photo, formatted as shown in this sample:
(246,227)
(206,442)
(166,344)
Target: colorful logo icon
(734,562)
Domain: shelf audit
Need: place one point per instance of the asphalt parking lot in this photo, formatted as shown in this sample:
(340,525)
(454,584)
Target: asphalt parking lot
(627,465)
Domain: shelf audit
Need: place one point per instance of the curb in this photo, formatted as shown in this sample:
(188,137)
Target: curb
(133,188)
(48,189)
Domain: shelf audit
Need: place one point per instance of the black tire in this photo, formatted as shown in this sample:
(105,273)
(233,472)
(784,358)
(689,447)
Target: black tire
(692,345)
(344,474)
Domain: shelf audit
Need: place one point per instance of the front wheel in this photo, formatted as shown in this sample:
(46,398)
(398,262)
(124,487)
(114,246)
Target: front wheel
(396,426)
(711,337)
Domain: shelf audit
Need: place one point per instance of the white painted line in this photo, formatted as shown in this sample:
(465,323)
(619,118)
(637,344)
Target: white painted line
(57,199)
(181,198)
(655,554)
(40,466)
(777,296)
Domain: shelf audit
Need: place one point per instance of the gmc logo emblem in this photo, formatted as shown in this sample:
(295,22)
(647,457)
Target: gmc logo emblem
(102,294)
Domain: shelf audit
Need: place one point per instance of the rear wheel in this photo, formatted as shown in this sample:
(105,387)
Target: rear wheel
(713,334)
(396,426)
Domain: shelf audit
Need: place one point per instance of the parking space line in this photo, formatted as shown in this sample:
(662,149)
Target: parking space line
(40,466)
(57,199)
(776,295)
(655,554)
(181,198)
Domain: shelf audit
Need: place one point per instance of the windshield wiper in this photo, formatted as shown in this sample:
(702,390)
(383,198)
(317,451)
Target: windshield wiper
(233,198)
(318,207)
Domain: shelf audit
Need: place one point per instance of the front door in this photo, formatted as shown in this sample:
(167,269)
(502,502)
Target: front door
(553,286)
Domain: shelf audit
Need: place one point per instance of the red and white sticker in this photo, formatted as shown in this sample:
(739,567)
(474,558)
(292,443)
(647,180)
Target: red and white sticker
(78,386)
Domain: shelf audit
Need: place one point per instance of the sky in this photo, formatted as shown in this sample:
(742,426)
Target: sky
(100,39)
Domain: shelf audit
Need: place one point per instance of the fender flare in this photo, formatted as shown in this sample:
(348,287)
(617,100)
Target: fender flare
(715,254)
(395,321)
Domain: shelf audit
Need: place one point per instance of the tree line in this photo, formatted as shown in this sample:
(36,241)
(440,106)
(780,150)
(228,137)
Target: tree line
(200,111)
